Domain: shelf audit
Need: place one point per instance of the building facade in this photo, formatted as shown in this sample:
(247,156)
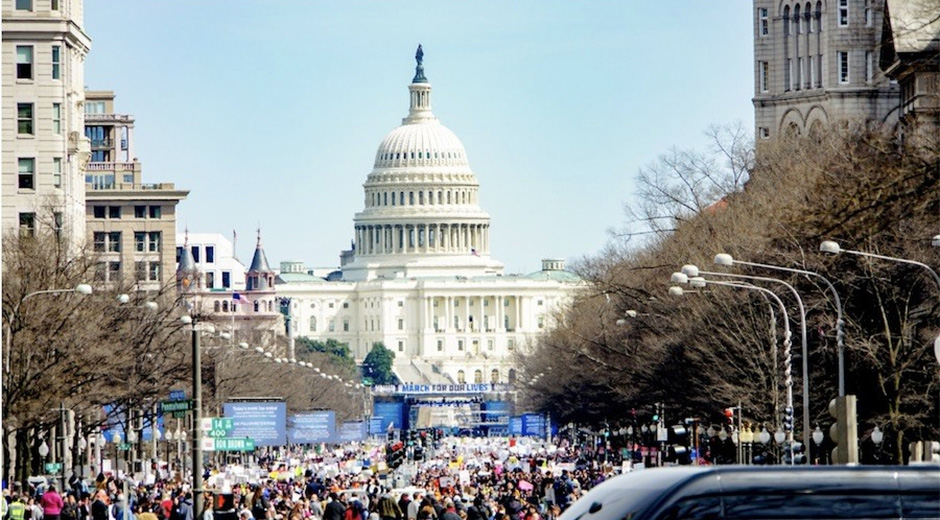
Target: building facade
(44,49)
(131,225)
(816,63)
(221,290)
(419,278)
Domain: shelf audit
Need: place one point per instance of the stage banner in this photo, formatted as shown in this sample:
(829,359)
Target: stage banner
(263,421)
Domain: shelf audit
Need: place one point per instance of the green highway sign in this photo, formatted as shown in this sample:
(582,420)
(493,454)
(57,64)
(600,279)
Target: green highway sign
(124,446)
(176,406)
(53,467)
(235,444)
(180,415)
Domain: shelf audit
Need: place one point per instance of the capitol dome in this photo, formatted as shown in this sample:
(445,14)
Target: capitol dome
(421,215)
(424,143)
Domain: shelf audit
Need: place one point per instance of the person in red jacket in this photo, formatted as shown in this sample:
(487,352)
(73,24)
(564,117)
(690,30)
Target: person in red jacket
(51,504)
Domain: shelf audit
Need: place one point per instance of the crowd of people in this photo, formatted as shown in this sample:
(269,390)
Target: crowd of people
(461,479)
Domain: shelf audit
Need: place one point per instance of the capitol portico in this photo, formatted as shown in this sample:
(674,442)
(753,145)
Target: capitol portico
(419,278)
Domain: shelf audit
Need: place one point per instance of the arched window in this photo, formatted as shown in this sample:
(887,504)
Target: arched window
(448,197)
(461,378)
(808,16)
(225,306)
(411,198)
(421,198)
(218,306)
(494,376)
(786,20)
(401,198)
(512,375)
(393,198)
(256,307)
(313,323)
(478,376)
(385,199)
(797,19)
(818,17)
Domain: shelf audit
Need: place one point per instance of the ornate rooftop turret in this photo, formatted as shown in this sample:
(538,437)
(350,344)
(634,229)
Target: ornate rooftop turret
(188,277)
(259,277)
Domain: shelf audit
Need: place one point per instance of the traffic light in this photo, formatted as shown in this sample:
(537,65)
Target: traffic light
(394,455)
(794,454)
(679,450)
(788,419)
(729,416)
(418,453)
(844,431)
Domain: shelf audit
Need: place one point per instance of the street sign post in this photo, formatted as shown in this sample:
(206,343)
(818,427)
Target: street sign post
(216,427)
(176,406)
(53,467)
(177,395)
(228,444)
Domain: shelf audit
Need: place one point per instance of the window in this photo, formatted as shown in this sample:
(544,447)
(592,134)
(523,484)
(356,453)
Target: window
(345,305)
(869,18)
(763,69)
(57,222)
(843,13)
(819,76)
(210,280)
(99,211)
(764,132)
(478,376)
(24,118)
(154,271)
(489,344)
(27,173)
(332,325)
(510,344)
(140,211)
(114,211)
(401,346)
(461,378)
(764,21)
(154,241)
(313,324)
(789,79)
(460,345)
(869,66)
(195,252)
(114,242)
(801,73)
(401,324)
(226,279)
(114,271)
(210,254)
(440,345)
(786,21)
(155,211)
(94,107)
(24,5)
(24,61)
(27,225)
(345,325)
(56,61)
(140,239)
(797,19)
(140,273)
(842,58)
(494,376)
(541,322)
(57,118)
(812,72)
(99,241)
(54,5)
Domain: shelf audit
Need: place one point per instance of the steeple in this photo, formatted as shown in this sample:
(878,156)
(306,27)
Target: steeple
(259,275)
(420,89)
(187,274)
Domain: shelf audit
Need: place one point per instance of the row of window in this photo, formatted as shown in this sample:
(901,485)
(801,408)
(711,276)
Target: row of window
(114,212)
(797,77)
(443,197)
(810,21)
(27,5)
(259,306)
(26,119)
(25,61)
(110,242)
(27,224)
(397,156)
(196,251)
(401,303)
(144,270)
(26,173)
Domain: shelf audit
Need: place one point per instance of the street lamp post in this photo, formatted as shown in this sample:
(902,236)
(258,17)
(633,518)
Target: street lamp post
(700,282)
(727,260)
(693,271)
(829,246)
(197,417)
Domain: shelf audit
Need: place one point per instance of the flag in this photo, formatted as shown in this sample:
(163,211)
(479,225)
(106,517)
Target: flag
(240,298)
(474,252)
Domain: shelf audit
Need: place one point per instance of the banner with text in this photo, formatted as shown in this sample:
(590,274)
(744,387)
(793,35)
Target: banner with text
(312,427)
(389,414)
(265,422)
(352,432)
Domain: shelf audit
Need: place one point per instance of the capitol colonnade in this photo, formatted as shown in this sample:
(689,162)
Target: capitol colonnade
(422,238)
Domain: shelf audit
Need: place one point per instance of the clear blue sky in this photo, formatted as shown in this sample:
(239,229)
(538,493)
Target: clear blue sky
(270,113)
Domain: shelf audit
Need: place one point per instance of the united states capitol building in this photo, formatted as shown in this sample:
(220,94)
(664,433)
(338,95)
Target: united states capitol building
(420,277)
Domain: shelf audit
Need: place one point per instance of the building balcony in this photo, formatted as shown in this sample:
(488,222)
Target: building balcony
(112,166)
(128,186)
(108,118)
(98,144)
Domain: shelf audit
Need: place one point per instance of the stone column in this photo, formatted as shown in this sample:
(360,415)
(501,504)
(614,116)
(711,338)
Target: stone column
(448,313)
(499,314)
